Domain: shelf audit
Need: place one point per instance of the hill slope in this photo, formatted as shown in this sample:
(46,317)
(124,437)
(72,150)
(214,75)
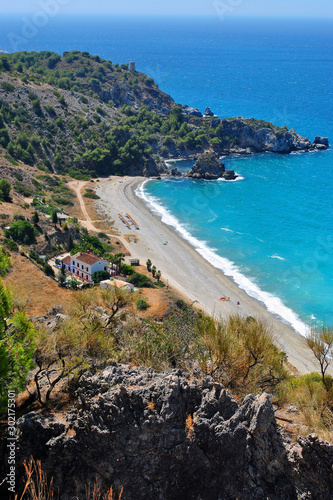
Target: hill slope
(85,116)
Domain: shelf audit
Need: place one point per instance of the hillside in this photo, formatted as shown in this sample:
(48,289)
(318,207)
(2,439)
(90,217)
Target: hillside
(82,115)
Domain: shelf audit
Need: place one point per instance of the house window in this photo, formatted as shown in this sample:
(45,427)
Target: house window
(73,263)
(69,268)
(78,265)
(86,269)
(82,266)
(87,277)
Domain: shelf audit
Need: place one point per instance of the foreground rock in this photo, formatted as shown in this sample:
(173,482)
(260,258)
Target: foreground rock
(169,436)
(209,167)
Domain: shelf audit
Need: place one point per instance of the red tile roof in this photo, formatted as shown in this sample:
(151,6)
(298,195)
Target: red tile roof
(67,260)
(87,258)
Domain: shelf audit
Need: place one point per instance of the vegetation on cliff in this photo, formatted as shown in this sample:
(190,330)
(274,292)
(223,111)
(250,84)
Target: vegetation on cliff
(86,116)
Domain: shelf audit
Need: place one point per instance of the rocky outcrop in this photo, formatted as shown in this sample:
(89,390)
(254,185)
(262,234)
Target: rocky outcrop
(208,112)
(320,143)
(209,167)
(168,436)
(188,110)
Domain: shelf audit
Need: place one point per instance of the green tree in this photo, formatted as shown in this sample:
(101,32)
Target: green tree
(35,217)
(158,275)
(21,231)
(148,264)
(100,276)
(70,243)
(48,270)
(61,276)
(5,188)
(321,344)
(17,347)
(153,271)
(4,261)
(118,259)
(54,217)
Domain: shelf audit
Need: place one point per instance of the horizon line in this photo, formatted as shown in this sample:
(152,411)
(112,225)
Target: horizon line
(197,16)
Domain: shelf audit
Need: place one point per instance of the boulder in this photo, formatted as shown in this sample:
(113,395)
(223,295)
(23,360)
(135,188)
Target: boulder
(188,110)
(229,175)
(321,140)
(321,147)
(208,112)
(174,172)
(208,167)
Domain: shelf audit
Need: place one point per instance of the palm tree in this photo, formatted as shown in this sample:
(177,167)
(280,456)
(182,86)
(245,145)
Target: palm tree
(148,264)
(153,270)
(118,259)
(158,275)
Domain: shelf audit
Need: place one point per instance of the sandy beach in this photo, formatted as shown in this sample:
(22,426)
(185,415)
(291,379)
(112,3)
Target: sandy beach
(186,270)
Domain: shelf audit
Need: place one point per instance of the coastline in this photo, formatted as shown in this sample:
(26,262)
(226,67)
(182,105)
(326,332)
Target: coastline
(187,271)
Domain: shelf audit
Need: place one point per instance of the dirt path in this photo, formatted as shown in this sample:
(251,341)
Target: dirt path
(77,187)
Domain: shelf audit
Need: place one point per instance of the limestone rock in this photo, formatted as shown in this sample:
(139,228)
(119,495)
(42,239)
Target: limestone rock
(321,140)
(188,110)
(167,436)
(208,112)
(207,166)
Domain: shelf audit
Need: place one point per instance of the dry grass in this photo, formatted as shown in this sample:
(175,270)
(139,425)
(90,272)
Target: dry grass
(33,290)
(37,486)
(159,303)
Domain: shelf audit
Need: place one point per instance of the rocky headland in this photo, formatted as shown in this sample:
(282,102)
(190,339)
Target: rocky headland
(167,436)
(108,119)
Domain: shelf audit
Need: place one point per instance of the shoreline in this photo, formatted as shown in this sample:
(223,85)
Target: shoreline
(186,270)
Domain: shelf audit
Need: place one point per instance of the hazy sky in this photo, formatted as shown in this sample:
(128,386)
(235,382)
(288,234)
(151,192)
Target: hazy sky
(299,8)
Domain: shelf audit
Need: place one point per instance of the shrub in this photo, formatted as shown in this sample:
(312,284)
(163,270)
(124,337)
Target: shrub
(240,353)
(8,87)
(21,231)
(140,280)
(11,245)
(17,347)
(48,270)
(5,188)
(100,276)
(142,304)
(127,270)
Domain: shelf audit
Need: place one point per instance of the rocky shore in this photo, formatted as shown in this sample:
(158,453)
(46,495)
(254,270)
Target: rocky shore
(167,436)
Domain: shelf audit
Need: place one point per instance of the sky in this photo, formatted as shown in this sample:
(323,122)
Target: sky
(282,8)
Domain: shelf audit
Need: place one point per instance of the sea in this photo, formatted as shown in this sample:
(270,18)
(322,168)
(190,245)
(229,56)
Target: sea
(271,230)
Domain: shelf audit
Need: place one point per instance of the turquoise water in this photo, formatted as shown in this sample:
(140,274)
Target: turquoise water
(272,226)
(272,229)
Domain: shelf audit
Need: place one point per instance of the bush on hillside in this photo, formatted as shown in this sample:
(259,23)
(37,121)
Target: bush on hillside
(140,281)
(21,231)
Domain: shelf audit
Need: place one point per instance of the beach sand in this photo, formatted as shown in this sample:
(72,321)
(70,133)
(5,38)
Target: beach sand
(186,270)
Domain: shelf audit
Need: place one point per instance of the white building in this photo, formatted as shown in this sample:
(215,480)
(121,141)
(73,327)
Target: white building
(84,265)
(112,283)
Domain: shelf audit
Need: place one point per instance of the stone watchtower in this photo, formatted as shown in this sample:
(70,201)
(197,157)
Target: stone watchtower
(132,66)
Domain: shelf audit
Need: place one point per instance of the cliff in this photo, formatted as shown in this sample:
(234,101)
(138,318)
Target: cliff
(170,436)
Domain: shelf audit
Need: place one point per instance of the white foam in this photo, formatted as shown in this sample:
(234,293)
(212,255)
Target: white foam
(238,178)
(273,304)
(227,230)
(277,257)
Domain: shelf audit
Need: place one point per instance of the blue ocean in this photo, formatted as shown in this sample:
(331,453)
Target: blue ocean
(272,229)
